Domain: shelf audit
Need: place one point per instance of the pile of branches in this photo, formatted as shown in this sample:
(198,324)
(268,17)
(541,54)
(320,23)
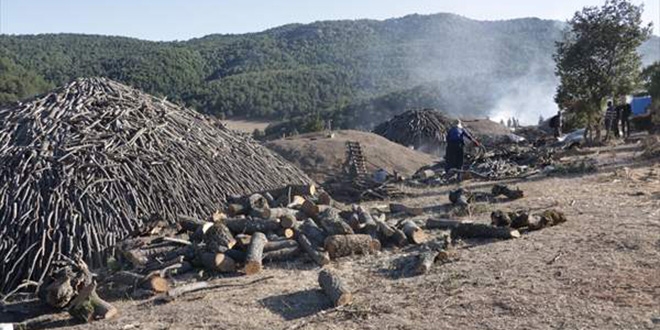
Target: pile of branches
(421,129)
(95,161)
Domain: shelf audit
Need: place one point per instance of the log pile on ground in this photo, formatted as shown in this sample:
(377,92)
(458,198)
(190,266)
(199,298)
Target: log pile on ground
(425,130)
(96,161)
(522,220)
(296,223)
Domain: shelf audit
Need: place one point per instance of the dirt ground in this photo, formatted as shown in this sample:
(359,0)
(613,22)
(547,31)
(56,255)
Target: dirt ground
(599,270)
(322,157)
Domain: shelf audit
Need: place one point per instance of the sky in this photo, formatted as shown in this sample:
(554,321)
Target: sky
(185,19)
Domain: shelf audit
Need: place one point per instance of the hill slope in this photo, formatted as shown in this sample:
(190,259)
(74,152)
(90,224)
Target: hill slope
(355,71)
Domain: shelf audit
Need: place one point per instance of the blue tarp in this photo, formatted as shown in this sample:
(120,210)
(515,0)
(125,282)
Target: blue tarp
(639,105)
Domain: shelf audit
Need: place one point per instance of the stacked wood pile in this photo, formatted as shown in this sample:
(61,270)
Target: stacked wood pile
(96,161)
(425,130)
(296,223)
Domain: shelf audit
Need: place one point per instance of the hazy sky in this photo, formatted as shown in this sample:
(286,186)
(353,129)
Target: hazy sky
(184,19)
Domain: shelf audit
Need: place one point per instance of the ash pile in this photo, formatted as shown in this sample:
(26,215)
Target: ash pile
(95,162)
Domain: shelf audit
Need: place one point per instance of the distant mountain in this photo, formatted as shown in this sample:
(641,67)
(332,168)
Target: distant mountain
(357,72)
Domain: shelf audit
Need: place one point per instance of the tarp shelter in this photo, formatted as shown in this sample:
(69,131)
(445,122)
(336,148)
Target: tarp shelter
(639,105)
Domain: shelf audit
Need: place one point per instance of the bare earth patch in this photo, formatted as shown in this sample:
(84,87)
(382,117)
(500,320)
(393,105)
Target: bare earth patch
(599,270)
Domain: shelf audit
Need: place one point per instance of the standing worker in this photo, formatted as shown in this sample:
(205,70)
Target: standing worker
(555,124)
(626,112)
(455,143)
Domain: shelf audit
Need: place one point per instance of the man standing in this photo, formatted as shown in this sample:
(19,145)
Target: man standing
(625,112)
(610,119)
(455,143)
(555,124)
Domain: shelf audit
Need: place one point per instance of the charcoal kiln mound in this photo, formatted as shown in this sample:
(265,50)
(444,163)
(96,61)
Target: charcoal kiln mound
(423,130)
(90,163)
(322,155)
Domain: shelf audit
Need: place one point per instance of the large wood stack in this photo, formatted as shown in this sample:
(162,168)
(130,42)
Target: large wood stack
(96,161)
(295,223)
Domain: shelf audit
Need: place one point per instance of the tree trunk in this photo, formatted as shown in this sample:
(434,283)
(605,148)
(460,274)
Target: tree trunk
(345,245)
(321,258)
(415,234)
(335,288)
(333,224)
(255,254)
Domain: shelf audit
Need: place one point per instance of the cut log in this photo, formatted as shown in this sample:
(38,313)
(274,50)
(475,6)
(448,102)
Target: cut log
(324,198)
(187,223)
(367,222)
(500,219)
(242,240)
(335,288)
(251,226)
(332,223)
(88,306)
(219,238)
(353,221)
(198,234)
(278,245)
(415,234)
(479,230)
(287,233)
(236,209)
(259,206)
(293,190)
(296,202)
(399,238)
(288,221)
(443,224)
(310,209)
(284,254)
(425,261)
(218,262)
(236,255)
(345,245)
(315,234)
(321,258)
(255,254)
(279,212)
(547,218)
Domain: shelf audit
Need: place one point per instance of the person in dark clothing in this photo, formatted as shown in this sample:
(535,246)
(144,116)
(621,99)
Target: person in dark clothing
(455,148)
(555,124)
(626,112)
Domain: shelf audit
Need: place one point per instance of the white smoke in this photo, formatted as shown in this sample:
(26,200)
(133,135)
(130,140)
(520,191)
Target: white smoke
(525,99)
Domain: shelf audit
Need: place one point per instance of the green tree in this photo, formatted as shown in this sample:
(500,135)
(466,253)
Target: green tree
(651,76)
(597,58)
(17,83)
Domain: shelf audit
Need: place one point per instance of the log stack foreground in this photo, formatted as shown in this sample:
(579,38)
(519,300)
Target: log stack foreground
(95,161)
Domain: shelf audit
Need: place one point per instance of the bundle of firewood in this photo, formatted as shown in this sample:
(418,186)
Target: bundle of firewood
(91,163)
(287,224)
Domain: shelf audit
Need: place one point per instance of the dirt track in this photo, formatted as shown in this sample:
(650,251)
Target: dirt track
(600,270)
